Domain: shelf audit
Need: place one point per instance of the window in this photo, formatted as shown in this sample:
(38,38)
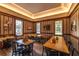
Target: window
(19,27)
(38,28)
(58,27)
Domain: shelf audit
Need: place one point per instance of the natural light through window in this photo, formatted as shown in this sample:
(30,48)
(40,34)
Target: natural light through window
(58,27)
(38,28)
(19,27)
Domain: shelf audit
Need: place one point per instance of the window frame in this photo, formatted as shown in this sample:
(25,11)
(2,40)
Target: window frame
(60,26)
(22,27)
(39,28)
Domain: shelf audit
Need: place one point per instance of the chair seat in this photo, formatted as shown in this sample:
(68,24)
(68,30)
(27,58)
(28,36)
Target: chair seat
(63,54)
(51,52)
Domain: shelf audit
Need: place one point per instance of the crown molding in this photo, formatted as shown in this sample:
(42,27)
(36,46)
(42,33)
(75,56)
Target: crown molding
(65,8)
(17,9)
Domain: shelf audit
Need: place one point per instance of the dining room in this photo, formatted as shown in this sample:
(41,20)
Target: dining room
(39,29)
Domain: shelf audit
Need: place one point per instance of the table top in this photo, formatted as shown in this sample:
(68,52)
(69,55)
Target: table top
(58,45)
(25,42)
(34,35)
(4,38)
(28,41)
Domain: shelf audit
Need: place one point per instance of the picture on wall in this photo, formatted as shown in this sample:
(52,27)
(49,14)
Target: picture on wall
(73,26)
(47,27)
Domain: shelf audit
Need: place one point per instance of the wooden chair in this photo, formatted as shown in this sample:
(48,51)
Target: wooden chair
(1,44)
(27,50)
(75,52)
(71,48)
(63,54)
(14,51)
(50,52)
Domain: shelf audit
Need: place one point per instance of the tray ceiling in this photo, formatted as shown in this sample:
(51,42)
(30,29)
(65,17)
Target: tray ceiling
(38,7)
(41,11)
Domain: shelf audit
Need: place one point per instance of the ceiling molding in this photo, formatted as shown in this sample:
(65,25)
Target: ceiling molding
(16,9)
(72,8)
(65,8)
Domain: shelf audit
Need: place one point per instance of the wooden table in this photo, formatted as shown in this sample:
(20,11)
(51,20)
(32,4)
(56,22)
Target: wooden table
(25,42)
(4,38)
(34,35)
(28,41)
(60,44)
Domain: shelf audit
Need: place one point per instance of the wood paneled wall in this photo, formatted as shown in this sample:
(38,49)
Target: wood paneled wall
(75,19)
(6,25)
(65,28)
(51,23)
(75,33)
(28,27)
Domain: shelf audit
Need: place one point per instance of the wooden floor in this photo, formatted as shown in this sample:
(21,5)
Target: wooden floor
(6,52)
(37,50)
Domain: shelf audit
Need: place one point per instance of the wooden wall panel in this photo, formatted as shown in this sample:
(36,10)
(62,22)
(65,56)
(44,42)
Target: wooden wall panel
(25,28)
(2,31)
(0,25)
(5,25)
(28,27)
(75,43)
(75,32)
(51,23)
(34,27)
(11,26)
(74,18)
(51,32)
(66,26)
